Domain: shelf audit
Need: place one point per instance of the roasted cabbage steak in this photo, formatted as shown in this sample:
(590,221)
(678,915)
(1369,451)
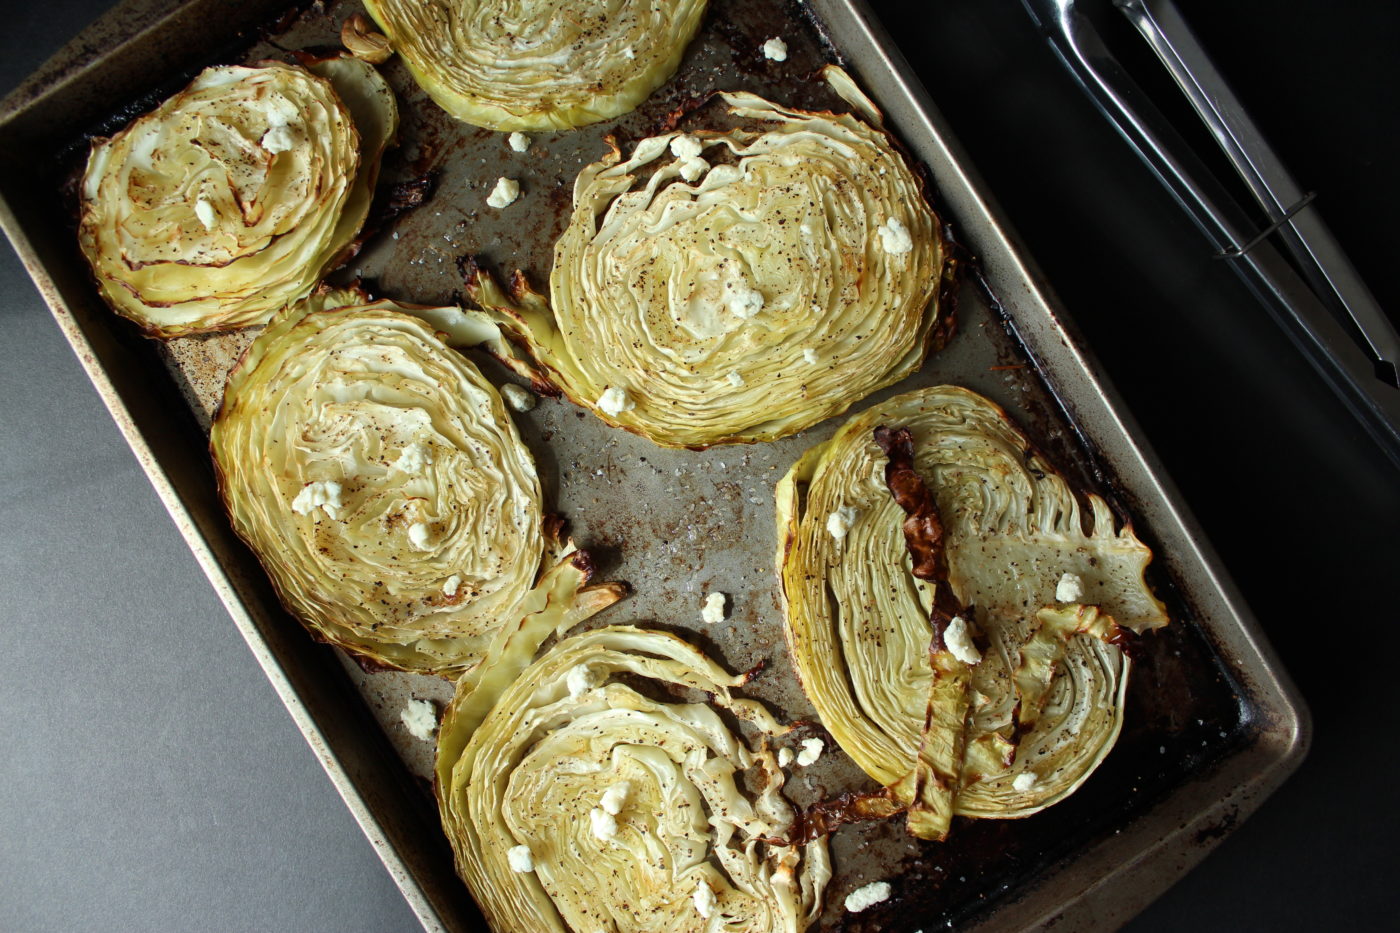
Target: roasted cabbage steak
(379,479)
(608,790)
(1023,725)
(539,64)
(735,286)
(232,199)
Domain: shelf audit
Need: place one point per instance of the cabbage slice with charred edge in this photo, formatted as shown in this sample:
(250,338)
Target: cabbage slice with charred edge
(233,198)
(539,64)
(607,790)
(1044,704)
(379,479)
(745,300)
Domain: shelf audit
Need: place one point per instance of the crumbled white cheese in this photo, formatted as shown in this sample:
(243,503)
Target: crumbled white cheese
(735,379)
(1024,781)
(518,141)
(811,751)
(1070,589)
(895,238)
(604,823)
(418,536)
(615,400)
(685,147)
(519,859)
(741,299)
(688,149)
(278,138)
(867,896)
(839,523)
(413,458)
(714,609)
(629,52)
(785,757)
(518,397)
(420,719)
(775,49)
(959,641)
(579,680)
(691,169)
(504,194)
(323,494)
(809,355)
(614,797)
(452,585)
(704,900)
(204,210)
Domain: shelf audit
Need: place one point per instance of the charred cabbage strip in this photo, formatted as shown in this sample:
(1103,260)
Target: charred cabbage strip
(539,64)
(607,790)
(233,198)
(735,286)
(932,784)
(1046,695)
(376,474)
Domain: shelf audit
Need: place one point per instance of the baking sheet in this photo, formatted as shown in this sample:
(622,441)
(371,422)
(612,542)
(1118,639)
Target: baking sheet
(709,521)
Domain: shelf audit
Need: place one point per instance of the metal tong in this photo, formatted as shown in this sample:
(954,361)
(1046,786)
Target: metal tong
(1365,379)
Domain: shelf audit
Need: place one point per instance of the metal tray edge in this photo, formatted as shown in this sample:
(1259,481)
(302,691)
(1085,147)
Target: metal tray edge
(271,666)
(1099,901)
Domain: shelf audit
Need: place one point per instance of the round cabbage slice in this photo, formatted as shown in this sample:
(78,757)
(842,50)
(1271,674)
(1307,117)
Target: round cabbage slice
(736,286)
(379,479)
(233,198)
(1024,725)
(607,790)
(539,64)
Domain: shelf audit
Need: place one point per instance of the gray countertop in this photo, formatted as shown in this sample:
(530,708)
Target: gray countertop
(153,780)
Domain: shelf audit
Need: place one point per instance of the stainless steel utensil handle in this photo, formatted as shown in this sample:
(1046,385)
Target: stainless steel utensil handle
(1319,256)
(1323,340)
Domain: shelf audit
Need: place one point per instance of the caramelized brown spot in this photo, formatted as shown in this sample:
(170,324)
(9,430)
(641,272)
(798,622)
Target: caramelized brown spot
(1125,641)
(923,528)
(826,816)
(583,561)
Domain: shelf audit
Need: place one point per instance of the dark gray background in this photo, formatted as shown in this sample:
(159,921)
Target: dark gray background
(152,779)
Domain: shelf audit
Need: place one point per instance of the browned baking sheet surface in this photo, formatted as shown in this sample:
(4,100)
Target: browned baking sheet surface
(679,524)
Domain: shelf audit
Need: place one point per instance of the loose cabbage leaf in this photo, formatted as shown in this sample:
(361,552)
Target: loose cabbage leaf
(634,807)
